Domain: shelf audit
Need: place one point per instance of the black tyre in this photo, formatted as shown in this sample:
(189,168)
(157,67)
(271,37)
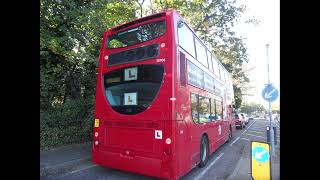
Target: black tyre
(204,151)
(230,135)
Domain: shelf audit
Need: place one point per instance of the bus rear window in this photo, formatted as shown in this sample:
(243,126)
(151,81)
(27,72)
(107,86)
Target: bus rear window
(137,35)
(132,90)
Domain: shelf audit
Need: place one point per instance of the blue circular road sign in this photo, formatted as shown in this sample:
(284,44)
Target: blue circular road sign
(260,154)
(270,93)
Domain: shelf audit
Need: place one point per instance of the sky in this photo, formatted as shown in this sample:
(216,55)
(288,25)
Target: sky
(267,12)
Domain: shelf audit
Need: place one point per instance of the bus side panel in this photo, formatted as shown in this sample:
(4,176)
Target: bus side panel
(183,148)
(182,107)
(187,132)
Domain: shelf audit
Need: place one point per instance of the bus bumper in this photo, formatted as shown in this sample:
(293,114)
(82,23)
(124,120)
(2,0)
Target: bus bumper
(137,164)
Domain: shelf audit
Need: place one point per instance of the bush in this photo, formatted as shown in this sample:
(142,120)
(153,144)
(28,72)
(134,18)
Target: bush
(71,122)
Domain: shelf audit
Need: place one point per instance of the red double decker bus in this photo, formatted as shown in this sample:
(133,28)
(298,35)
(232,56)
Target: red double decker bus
(163,100)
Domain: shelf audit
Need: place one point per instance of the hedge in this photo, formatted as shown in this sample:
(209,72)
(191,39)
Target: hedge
(71,122)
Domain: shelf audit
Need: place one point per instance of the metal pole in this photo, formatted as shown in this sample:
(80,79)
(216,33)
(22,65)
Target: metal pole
(268,62)
(270,116)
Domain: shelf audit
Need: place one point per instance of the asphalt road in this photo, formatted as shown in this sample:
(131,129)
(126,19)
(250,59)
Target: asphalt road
(221,165)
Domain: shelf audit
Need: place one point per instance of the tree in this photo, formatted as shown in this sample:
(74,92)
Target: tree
(70,40)
(140,5)
(252,107)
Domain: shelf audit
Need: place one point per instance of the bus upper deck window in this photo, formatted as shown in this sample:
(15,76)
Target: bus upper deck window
(137,35)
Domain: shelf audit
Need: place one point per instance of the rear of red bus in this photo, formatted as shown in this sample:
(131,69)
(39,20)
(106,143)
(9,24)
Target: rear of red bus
(134,113)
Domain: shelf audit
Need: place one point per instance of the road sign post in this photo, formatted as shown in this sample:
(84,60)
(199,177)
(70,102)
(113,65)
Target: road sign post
(274,134)
(270,94)
(260,161)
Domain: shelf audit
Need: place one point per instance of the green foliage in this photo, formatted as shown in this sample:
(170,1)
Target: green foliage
(252,107)
(275,111)
(71,122)
(70,40)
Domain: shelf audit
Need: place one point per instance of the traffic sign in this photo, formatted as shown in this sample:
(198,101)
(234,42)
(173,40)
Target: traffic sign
(260,161)
(260,154)
(270,93)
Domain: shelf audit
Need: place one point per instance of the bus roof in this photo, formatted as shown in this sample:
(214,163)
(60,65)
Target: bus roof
(139,20)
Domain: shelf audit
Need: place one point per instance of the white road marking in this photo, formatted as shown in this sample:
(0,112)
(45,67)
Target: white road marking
(242,133)
(235,141)
(208,167)
(256,132)
(247,128)
(255,135)
(74,171)
(251,124)
(236,170)
(72,161)
(259,129)
(262,127)
(88,167)
(246,139)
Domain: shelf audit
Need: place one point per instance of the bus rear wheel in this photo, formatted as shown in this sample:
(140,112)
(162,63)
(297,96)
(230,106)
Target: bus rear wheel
(204,151)
(230,135)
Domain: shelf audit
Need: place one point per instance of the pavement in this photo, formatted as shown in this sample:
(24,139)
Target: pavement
(243,169)
(231,161)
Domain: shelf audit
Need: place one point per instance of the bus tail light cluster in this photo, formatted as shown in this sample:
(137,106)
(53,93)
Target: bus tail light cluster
(96,133)
(96,143)
(168,147)
(96,123)
(168,138)
(168,141)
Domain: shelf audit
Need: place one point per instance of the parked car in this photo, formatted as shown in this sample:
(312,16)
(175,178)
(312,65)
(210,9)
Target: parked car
(239,121)
(245,117)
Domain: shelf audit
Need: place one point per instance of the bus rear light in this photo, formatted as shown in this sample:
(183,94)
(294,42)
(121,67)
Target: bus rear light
(106,57)
(96,143)
(96,123)
(168,141)
(162,45)
(96,134)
